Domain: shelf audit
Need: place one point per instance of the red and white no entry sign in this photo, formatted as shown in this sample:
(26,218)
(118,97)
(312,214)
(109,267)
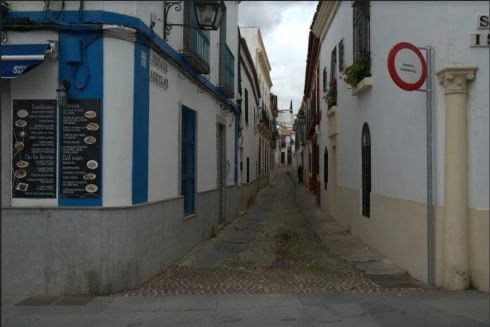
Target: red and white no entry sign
(407,66)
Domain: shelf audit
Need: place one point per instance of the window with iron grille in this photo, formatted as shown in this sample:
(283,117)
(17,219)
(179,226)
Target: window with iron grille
(325,167)
(366,169)
(246,106)
(325,79)
(333,65)
(332,86)
(313,104)
(188,160)
(361,45)
(248,169)
(341,55)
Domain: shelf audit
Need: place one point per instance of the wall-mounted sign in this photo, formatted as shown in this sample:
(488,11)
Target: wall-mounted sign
(407,66)
(34,149)
(158,68)
(80,175)
(481,39)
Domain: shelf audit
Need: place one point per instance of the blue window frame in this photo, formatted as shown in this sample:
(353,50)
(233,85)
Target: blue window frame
(188,168)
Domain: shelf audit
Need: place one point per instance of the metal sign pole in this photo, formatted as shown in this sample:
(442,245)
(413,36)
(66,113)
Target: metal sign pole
(430,206)
(408,85)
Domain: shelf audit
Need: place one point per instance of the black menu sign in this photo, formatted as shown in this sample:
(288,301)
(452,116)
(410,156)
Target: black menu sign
(80,149)
(34,149)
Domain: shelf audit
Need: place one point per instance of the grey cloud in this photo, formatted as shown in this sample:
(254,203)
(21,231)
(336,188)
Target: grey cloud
(261,14)
(287,57)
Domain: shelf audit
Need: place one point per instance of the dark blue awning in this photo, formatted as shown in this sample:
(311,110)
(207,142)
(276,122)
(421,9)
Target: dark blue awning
(18,59)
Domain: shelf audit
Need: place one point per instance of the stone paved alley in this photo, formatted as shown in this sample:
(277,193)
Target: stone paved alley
(331,279)
(273,248)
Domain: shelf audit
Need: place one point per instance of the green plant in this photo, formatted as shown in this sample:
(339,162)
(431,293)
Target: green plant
(358,70)
(332,93)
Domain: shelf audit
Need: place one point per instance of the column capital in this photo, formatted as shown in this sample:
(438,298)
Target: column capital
(455,79)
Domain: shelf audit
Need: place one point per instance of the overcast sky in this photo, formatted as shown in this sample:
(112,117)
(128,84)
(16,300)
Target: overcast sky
(284,26)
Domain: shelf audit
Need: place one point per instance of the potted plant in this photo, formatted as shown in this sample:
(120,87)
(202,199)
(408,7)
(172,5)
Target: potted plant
(359,69)
(332,93)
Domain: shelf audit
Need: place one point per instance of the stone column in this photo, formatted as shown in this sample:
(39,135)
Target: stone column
(456,247)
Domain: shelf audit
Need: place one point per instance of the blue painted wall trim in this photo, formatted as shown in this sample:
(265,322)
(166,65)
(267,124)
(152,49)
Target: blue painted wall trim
(87,82)
(75,21)
(141,120)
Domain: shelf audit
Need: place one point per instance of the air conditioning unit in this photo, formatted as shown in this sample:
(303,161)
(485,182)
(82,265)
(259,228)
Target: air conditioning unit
(317,129)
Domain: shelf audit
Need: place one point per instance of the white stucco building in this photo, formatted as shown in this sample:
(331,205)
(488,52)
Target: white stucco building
(250,95)
(108,182)
(265,114)
(371,136)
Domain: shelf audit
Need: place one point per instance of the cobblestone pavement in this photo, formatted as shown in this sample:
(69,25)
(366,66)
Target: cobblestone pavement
(271,248)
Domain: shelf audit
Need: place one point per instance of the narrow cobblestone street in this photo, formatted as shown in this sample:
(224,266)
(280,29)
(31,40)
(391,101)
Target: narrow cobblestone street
(272,248)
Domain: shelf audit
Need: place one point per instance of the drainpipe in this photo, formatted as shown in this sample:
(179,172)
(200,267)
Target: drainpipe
(456,247)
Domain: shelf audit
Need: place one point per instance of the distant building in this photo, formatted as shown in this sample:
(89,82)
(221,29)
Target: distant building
(250,95)
(266,109)
(285,131)
(365,137)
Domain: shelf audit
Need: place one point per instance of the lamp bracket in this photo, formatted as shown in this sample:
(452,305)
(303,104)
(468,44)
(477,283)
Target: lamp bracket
(167,5)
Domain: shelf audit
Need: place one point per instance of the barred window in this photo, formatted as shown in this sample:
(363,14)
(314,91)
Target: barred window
(246,106)
(333,65)
(325,80)
(361,18)
(325,167)
(341,55)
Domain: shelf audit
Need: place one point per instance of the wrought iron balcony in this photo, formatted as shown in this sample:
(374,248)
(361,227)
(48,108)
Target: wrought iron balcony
(226,71)
(196,49)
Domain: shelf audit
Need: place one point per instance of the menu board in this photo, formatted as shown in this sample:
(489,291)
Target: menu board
(34,149)
(80,150)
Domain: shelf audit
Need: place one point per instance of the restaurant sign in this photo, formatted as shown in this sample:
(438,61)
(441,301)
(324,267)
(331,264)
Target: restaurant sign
(80,176)
(34,149)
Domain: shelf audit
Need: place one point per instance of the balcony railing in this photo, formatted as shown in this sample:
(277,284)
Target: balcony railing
(196,49)
(264,119)
(226,71)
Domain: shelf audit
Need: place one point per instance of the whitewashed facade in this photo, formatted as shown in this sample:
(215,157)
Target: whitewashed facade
(165,145)
(249,135)
(265,167)
(396,219)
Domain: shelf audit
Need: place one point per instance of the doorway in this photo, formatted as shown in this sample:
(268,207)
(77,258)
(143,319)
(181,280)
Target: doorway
(333,178)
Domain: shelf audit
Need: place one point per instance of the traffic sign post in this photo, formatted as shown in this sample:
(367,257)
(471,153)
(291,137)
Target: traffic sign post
(409,70)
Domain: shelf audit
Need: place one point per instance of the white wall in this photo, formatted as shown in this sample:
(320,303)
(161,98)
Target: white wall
(396,117)
(117,122)
(447,27)
(164,139)
(249,132)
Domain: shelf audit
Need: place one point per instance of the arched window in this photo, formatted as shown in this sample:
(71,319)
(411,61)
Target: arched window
(325,167)
(366,169)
